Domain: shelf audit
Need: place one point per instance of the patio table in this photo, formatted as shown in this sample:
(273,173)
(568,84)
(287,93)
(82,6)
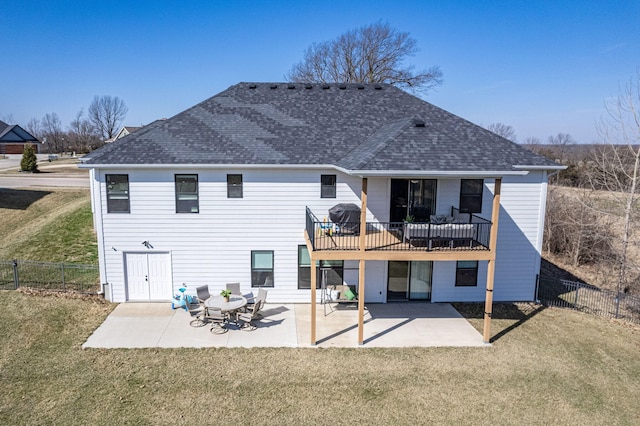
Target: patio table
(235,302)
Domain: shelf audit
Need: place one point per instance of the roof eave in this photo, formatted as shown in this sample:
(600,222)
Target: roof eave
(439,173)
(207,166)
(558,167)
(520,170)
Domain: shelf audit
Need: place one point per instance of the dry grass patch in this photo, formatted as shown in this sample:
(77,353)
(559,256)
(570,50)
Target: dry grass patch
(558,367)
(47,224)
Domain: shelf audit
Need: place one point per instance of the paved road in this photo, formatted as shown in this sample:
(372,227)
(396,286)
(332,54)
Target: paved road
(39,180)
(12,161)
(24,181)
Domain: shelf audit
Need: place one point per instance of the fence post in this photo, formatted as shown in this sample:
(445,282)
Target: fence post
(62,268)
(575,303)
(16,281)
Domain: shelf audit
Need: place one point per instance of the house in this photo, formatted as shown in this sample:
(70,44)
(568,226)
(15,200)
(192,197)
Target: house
(13,138)
(239,188)
(126,130)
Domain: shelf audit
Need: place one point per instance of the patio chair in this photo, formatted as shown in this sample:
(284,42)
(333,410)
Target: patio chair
(248,317)
(217,320)
(262,298)
(235,288)
(204,316)
(203,293)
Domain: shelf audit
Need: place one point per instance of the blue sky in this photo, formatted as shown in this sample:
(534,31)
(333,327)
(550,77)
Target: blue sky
(542,67)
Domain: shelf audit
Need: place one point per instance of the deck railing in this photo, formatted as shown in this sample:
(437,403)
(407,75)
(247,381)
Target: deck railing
(400,236)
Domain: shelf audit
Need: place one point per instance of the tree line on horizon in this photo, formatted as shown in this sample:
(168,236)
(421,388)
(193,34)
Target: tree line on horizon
(85,132)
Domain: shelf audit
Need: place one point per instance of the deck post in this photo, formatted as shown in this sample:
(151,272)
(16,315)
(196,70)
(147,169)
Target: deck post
(491,267)
(361,302)
(361,270)
(313,298)
(363,216)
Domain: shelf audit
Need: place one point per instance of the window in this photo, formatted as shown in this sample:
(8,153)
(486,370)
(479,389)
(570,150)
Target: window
(327,186)
(261,268)
(331,270)
(187,194)
(234,186)
(117,193)
(471,195)
(467,273)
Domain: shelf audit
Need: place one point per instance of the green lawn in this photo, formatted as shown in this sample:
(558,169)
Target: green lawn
(546,366)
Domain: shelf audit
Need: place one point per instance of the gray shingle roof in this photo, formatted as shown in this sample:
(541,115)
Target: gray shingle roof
(13,133)
(360,127)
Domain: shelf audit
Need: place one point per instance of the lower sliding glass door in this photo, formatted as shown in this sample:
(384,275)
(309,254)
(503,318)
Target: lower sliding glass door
(409,280)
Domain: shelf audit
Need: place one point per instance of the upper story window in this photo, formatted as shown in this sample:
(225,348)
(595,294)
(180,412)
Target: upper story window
(471,195)
(187,194)
(234,186)
(117,193)
(466,273)
(327,186)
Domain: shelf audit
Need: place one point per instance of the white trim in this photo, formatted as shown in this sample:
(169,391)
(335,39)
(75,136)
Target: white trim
(437,173)
(210,166)
(358,173)
(540,167)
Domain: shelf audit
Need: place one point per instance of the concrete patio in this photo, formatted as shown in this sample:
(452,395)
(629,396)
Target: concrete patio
(153,325)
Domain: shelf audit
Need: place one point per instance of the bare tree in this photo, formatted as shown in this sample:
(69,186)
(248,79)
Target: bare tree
(33,126)
(52,133)
(370,54)
(574,229)
(106,113)
(504,130)
(561,143)
(7,118)
(617,168)
(83,136)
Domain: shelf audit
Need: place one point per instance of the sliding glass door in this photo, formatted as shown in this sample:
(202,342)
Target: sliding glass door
(412,197)
(409,280)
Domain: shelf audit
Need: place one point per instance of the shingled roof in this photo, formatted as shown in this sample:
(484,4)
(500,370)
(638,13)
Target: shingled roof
(12,133)
(357,127)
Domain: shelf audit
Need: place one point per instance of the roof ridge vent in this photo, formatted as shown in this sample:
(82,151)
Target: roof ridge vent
(342,86)
(360,87)
(253,86)
(418,122)
(325,86)
(273,86)
(291,86)
(308,86)
(377,87)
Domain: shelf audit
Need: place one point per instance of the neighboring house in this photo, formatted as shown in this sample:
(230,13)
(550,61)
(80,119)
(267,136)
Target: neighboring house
(126,130)
(238,189)
(13,138)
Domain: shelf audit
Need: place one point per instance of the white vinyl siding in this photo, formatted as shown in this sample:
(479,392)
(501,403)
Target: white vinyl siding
(214,247)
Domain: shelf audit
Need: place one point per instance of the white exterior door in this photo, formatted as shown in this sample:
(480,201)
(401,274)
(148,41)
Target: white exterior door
(148,276)
(159,276)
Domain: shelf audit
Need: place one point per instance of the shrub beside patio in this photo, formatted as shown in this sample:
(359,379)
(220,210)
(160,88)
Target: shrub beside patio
(554,366)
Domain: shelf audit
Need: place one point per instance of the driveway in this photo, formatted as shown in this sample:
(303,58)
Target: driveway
(29,180)
(391,325)
(26,180)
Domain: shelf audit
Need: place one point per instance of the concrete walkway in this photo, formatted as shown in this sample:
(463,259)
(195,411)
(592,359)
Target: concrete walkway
(151,325)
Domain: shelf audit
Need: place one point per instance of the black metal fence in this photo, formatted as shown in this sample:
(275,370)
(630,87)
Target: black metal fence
(49,276)
(587,298)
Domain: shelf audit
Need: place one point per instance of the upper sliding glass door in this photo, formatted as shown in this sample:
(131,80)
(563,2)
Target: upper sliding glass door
(413,197)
